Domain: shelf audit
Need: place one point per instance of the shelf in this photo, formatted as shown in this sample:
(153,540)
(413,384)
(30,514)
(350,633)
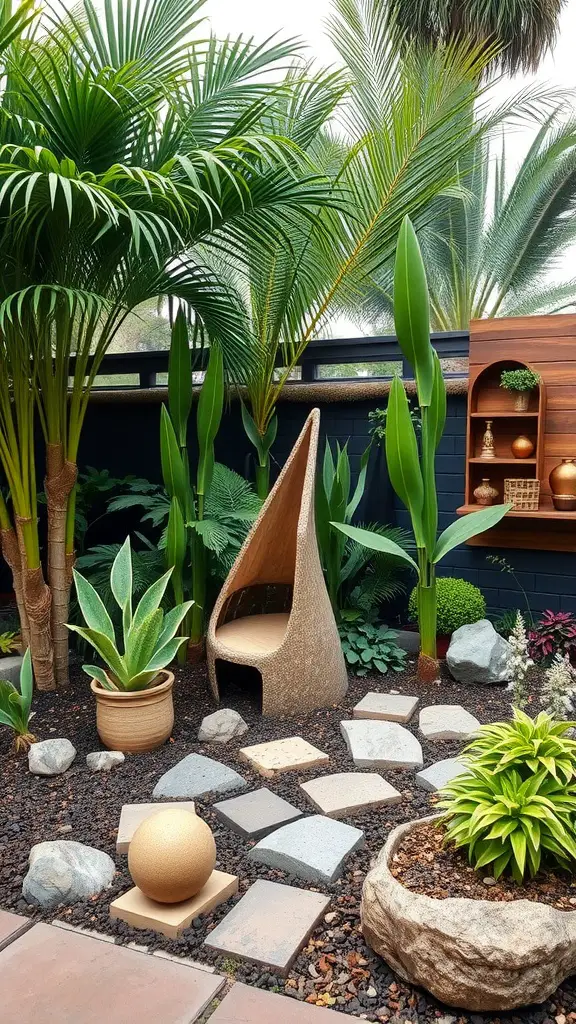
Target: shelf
(502,415)
(546,511)
(497,461)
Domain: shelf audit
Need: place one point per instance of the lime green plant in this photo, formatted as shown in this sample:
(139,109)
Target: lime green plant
(458,603)
(15,705)
(412,472)
(9,642)
(529,745)
(149,638)
(523,379)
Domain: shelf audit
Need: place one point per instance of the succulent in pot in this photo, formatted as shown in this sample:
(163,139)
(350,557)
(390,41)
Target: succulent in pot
(134,709)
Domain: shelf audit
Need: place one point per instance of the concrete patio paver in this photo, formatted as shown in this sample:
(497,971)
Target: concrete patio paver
(440,774)
(10,926)
(447,722)
(132,815)
(245,1005)
(254,815)
(348,793)
(386,707)
(381,745)
(290,754)
(313,849)
(52,976)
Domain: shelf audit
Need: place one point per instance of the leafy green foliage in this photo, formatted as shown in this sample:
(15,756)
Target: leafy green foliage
(368,647)
(15,705)
(522,379)
(378,418)
(149,636)
(9,642)
(504,622)
(527,745)
(458,603)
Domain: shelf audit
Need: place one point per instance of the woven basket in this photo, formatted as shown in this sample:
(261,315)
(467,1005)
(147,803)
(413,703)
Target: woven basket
(523,493)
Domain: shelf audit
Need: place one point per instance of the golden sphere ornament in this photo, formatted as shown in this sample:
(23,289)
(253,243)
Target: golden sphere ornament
(172,855)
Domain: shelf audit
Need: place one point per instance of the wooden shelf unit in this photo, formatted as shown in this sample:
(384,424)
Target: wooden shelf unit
(546,344)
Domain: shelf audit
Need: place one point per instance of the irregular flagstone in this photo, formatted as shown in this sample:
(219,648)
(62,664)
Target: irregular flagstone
(290,754)
(381,744)
(386,707)
(247,1005)
(196,776)
(313,849)
(222,726)
(339,795)
(447,722)
(440,774)
(269,925)
(132,815)
(254,815)
(63,871)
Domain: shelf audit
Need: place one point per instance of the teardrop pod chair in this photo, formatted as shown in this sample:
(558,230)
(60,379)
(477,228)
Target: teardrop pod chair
(273,612)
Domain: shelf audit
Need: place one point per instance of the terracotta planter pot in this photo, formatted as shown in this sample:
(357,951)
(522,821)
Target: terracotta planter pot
(135,722)
(474,954)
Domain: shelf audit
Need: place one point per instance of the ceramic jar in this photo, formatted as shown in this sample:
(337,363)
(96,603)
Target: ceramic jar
(522,447)
(563,486)
(485,494)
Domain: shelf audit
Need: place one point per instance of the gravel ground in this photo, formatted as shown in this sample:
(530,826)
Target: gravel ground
(336,968)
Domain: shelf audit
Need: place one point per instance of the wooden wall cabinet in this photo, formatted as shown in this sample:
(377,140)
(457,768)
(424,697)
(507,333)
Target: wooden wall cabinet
(546,344)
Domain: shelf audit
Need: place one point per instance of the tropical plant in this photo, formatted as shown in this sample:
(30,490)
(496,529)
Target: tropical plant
(505,621)
(554,634)
(458,603)
(378,417)
(523,30)
(522,379)
(519,663)
(149,640)
(412,474)
(9,642)
(559,689)
(369,579)
(15,705)
(148,564)
(527,745)
(369,647)
(124,143)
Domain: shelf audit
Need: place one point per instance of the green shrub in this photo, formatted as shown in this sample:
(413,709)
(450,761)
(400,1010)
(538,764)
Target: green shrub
(368,647)
(529,745)
(519,380)
(459,603)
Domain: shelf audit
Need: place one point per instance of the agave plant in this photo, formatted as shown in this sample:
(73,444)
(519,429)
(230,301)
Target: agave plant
(530,745)
(15,706)
(149,636)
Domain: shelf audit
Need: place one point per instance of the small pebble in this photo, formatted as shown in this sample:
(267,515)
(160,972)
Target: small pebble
(489,880)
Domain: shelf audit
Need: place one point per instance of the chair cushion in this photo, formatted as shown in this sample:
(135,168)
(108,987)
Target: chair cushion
(253,634)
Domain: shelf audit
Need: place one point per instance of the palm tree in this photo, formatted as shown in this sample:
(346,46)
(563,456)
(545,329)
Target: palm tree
(522,31)
(496,252)
(122,146)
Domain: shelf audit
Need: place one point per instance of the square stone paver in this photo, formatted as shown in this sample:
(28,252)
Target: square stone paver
(132,815)
(246,1005)
(52,976)
(440,774)
(290,754)
(11,925)
(313,849)
(381,744)
(171,919)
(386,707)
(195,777)
(447,722)
(346,793)
(254,815)
(269,925)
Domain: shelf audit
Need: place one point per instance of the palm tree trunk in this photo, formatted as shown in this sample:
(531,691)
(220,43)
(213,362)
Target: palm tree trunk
(38,604)
(59,484)
(11,553)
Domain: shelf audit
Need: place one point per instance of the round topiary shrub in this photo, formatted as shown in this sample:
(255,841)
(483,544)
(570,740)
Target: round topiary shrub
(458,604)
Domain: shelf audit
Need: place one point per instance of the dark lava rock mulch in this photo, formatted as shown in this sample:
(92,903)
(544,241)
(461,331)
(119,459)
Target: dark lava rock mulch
(337,968)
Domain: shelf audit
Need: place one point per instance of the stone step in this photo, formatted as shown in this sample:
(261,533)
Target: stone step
(313,849)
(245,1005)
(348,793)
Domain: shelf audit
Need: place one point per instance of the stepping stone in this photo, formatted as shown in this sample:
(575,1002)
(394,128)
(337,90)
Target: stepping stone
(11,925)
(254,815)
(195,777)
(346,793)
(313,849)
(269,925)
(171,919)
(447,722)
(386,707)
(51,974)
(247,1005)
(290,754)
(381,744)
(132,815)
(440,774)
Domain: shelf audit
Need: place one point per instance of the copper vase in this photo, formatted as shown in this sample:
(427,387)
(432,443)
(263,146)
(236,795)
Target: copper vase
(485,494)
(522,447)
(563,478)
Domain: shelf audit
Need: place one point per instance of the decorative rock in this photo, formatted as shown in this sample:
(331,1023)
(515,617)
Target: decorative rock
(10,668)
(222,726)
(172,855)
(339,795)
(478,654)
(195,777)
(255,815)
(475,954)
(63,871)
(313,849)
(276,756)
(386,707)
(50,757)
(408,640)
(381,744)
(104,760)
(447,722)
(440,774)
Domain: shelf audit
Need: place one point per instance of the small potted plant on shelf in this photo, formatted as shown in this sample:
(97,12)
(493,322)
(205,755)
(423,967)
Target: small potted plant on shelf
(134,708)
(504,934)
(522,382)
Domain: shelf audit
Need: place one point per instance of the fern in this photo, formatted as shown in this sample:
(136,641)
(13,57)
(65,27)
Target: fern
(371,578)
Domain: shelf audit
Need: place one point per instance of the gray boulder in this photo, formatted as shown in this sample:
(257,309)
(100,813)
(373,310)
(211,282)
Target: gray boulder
(50,757)
(222,726)
(478,654)
(63,871)
(104,760)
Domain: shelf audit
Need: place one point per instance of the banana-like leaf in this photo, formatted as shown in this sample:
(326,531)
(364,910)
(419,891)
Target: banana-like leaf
(375,541)
(468,526)
(360,483)
(437,411)
(92,607)
(173,468)
(210,407)
(180,379)
(176,545)
(411,311)
(328,471)
(402,457)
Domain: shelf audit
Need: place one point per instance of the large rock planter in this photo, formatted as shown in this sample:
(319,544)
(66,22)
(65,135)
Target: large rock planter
(478,654)
(474,954)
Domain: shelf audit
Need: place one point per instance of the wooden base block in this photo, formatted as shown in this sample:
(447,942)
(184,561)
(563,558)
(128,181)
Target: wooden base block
(171,919)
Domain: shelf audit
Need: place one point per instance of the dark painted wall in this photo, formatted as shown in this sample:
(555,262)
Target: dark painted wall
(123,437)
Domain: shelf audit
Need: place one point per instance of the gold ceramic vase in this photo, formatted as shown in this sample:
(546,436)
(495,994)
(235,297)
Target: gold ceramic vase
(485,494)
(488,451)
(562,481)
(522,447)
